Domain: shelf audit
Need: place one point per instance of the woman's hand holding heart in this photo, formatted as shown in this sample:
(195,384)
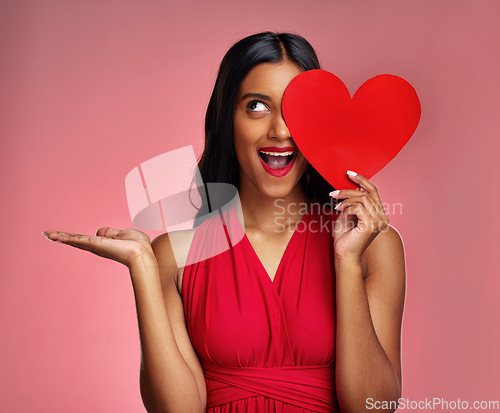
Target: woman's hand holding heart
(362,217)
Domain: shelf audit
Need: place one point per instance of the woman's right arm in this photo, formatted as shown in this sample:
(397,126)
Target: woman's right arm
(171,378)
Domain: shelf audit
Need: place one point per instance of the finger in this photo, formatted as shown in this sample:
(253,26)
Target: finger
(348,194)
(370,205)
(375,209)
(358,211)
(79,240)
(100,246)
(55,235)
(48,233)
(377,222)
(107,232)
(85,242)
(365,184)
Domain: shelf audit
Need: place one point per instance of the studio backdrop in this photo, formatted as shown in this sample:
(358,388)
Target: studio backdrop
(91,89)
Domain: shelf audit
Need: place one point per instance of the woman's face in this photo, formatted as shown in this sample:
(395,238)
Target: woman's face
(261,137)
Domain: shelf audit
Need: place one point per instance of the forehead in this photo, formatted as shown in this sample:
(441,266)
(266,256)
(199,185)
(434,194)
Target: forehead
(269,78)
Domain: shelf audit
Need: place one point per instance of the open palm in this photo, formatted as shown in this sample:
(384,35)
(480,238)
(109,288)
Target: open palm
(124,246)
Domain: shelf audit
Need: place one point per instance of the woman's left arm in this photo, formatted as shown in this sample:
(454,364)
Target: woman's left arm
(370,282)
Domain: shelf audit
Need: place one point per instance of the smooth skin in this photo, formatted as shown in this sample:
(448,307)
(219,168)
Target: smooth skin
(369,266)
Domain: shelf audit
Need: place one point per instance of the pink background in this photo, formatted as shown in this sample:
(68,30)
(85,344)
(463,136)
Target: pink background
(90,89)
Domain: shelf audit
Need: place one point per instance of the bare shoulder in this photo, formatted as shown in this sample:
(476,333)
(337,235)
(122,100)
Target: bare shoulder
(385,254)
(171,250)
(174,245)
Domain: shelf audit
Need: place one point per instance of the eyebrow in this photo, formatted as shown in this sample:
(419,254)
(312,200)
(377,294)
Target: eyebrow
(256,95)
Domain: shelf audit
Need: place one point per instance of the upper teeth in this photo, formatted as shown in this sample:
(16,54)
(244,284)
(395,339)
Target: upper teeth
(278,153)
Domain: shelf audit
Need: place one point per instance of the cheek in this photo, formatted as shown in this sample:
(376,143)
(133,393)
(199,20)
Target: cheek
(238,131)
(242,132)
(302,165)
(239,139)
(302,161)
(246,135)
(241,144)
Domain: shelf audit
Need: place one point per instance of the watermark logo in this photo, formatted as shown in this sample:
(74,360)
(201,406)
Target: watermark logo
(167,193)
(325,216)
(434,403)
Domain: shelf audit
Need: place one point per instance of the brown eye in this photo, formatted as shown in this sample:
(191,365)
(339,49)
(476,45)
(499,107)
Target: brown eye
(256,106)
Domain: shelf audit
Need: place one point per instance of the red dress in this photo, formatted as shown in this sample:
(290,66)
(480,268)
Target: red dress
(264,345)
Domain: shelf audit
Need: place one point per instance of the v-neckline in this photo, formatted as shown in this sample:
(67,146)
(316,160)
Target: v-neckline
(262,269)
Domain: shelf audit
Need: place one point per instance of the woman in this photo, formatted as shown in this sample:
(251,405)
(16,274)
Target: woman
(290,317)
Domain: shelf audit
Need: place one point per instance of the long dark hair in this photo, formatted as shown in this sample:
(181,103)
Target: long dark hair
(219,163)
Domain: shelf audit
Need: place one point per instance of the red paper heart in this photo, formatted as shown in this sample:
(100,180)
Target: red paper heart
(336,133)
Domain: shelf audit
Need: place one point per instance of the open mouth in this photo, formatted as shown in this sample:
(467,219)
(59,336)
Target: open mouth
(277,160)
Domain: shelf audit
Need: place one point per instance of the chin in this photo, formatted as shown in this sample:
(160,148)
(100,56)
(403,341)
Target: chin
(278,191)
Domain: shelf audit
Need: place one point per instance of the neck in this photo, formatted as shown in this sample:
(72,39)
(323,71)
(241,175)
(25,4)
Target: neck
(269,213)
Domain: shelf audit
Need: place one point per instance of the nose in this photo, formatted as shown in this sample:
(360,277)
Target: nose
(278,129)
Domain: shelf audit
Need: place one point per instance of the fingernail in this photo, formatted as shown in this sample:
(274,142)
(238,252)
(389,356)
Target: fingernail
(45,235)
(352,173)
(338,205)
(333,193)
